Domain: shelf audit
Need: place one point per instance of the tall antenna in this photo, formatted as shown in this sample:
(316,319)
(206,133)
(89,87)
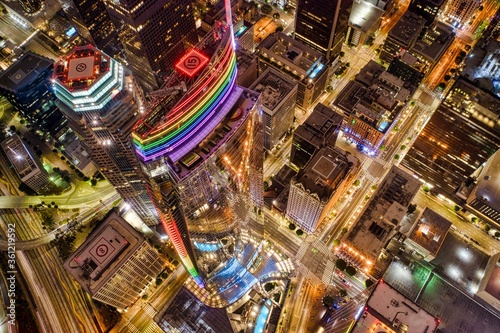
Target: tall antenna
(229,20)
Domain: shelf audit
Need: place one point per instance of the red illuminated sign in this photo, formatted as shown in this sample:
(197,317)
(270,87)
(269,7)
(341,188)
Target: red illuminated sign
(191,63)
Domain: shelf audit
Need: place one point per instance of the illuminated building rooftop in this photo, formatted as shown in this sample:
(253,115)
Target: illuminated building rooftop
(387,310)
(364,15)
(275,89)
(430,231)
(87,79)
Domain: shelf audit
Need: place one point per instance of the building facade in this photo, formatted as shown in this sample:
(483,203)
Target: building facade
(458,12)
(201,152)
(322,25)
(101,101)
(115,264)
(278,94)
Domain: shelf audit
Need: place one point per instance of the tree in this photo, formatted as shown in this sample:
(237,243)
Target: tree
(357,182)
(348,65)
(342,293)
(343,231)
(382,148)
(473,219)
(350,270)
(336,242)
(426,188)
(447,77)
(487,227)
(411,208)
(341,54)
(368,283)
(456,208)
(93,182)
(12,128)
(145,296)
(266,9)
(299,232)
(441,86)
(403,147)
(276,16)
(292,226)
(279,29)
(396,157)
(497,234)
(340,264)
(328,301)
(159,281)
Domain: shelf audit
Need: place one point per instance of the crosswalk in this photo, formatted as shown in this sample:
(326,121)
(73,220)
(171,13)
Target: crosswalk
(148,308)
(302,251)
(327,274)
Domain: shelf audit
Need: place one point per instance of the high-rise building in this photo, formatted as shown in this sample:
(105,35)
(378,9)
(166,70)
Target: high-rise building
(102,102)
(322,25)
(458,12)
(27,165)
(316,188)
(115,264)
(446,159)
(320,129)
(26,85)
(154,34)
(364,20)
(201,151)
(278,93)
(92,21)
(303,64)
(402,36)
(428,9)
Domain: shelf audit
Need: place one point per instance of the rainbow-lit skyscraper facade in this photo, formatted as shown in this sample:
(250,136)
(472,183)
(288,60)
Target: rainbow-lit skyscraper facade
(200,145)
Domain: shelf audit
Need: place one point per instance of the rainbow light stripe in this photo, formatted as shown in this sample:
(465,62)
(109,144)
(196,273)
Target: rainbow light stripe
(192,113)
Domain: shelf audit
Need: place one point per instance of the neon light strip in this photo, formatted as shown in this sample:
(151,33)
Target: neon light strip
(185,120)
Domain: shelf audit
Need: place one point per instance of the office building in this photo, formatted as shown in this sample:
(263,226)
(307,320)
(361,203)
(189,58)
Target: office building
(202,154)
(481,191)
(483,66)
(115,264)
(303,64)
(388,310)
(433,44)
(385,210)
(409,69)
(101,101)
(402,36)
(278,93)
(316,188)
(428,234)
(93,23)
(154,34)
(372,105)
(489,289)
(458,12)
(26,85)
(320,129)
(27,165)
(322,25)
(246,62)
(427,9)
(244,35)
(364,20)
(446,159)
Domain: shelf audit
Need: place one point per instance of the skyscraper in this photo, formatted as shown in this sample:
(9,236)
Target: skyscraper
(153,33)
(202,153)
(322,25)
(99,98)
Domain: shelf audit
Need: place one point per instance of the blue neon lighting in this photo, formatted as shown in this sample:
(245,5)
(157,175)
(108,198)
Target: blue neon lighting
(262,318)
(316,71)
(207,247)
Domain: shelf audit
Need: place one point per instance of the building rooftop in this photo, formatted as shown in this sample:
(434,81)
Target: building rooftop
(274,88)
(408,28)
(295,57)
(364,15)
(105,250)
(483,65)
(325,171)
(436,40)
(387,310)
(430,231)
(81,68)
(321,124)
(24,71)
